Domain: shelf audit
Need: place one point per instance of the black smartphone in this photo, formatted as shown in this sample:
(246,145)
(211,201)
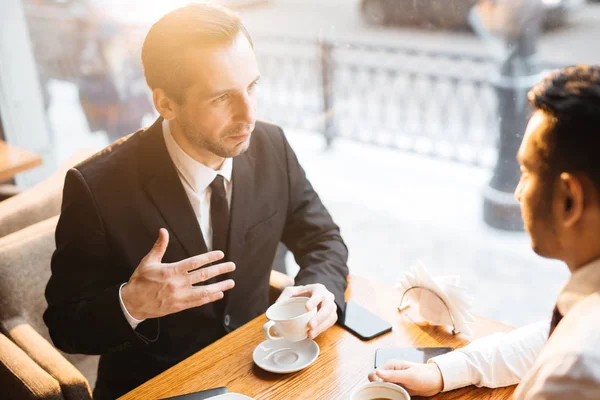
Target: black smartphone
(412,354)
(363,323)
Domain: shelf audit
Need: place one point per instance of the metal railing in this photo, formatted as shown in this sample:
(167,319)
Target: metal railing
(439,104)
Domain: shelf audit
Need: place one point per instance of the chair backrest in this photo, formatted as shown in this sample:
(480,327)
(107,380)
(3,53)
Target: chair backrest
(38,203)
(24,272)
(33,205)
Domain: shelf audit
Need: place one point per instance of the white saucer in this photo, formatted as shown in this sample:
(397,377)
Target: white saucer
(284,357)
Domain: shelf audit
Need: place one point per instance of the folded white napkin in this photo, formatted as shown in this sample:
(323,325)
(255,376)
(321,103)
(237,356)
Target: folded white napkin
(430,293)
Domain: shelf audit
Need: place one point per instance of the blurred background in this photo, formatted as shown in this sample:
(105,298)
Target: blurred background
(406,115)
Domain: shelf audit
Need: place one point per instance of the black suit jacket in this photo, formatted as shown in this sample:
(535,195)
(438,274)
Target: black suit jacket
(113,207)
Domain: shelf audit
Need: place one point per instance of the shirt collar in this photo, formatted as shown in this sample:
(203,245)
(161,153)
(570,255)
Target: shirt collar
(196,174)
(582,283)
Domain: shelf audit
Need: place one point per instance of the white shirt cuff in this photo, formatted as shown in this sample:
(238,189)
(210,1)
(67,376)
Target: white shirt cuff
(455,370)
(132,321)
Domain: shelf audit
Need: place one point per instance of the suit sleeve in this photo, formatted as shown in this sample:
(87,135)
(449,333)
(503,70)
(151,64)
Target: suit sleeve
(311,234)
(84,314)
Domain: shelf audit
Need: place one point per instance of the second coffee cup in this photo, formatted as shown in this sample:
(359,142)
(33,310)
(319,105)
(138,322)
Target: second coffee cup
(288,320)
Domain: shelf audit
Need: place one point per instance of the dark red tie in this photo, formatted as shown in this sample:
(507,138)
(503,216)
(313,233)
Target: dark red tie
(556,317)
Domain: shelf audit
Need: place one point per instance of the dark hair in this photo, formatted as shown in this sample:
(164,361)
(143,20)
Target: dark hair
(571,98)
(194,25)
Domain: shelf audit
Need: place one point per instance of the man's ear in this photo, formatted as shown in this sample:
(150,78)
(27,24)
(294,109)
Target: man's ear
(572,196)
(164,104)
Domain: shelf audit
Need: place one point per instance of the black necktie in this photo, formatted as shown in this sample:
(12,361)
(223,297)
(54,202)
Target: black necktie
(219,215)
(556,317)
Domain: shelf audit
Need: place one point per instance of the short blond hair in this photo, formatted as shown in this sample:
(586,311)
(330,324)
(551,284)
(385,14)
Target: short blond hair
(191,26)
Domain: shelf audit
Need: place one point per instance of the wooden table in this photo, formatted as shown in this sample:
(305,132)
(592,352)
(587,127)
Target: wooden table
(14,160)
(343,364)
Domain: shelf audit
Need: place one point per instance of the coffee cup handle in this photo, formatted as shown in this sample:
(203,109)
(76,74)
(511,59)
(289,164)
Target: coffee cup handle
(267,331)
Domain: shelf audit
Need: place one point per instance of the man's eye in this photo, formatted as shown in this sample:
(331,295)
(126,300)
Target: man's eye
(252,86)
(221,99)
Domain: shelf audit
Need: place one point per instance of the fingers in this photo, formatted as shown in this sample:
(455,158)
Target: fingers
(417,379)
(328,321)
(373,376)
(197,296)
(208,299)
(396,365)
(327,314)
(193,263)
(391,371)
(395,376)
(201,295)
(316,291)
(160,246)
(204,274)
(327,309)
(397,371)
(319,296)
(316,299)
(293,291)
(198,293)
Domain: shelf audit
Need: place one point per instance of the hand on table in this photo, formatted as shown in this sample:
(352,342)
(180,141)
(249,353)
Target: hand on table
(417,379)
(156,289)
(319,297)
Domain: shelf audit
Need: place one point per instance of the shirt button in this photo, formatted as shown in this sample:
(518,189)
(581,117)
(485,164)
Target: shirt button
(227,320)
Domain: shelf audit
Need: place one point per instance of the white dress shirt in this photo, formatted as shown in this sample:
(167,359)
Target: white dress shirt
(196,179)
(566,366)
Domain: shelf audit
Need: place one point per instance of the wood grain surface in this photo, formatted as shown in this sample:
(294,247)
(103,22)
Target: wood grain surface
(14,160)
(343,364)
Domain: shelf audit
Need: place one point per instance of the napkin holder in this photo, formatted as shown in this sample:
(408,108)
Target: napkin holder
(404,304)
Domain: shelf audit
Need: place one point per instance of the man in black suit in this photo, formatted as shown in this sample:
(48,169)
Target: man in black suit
(205,176)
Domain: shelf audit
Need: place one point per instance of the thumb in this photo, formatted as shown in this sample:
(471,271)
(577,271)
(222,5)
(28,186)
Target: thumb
(160,247)
(286,293)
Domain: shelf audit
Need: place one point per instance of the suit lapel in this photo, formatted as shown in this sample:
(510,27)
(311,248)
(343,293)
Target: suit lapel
(243,192)
(163,185)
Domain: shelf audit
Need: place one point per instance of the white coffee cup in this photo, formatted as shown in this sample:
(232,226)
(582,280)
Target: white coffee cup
(289,320)
(380,390)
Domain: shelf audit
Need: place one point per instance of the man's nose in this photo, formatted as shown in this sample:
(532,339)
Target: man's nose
(246,110)
(518,192)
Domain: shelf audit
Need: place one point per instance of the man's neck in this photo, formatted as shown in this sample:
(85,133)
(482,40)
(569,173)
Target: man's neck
(582,244)
(584,254)
(575,265)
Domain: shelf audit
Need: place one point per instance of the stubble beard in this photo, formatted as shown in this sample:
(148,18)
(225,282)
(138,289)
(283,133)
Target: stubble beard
(197,138)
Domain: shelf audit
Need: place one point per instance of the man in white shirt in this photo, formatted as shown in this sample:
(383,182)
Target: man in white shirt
(559,192)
